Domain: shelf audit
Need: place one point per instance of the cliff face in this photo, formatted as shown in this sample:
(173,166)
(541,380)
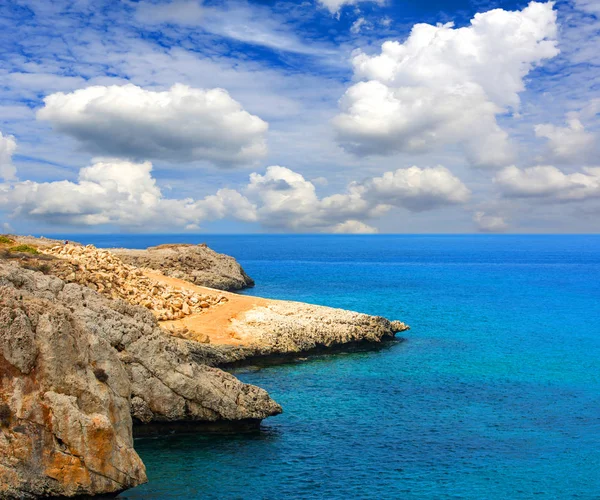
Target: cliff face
(197,264)
(90,345)
(65,424)
(74,365)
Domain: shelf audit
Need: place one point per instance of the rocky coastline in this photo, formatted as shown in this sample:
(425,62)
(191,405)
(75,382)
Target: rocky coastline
(95,342)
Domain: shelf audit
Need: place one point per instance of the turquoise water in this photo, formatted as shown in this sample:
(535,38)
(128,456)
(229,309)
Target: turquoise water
(495,394)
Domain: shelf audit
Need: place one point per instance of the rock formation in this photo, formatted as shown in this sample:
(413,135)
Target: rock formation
(65,424)
(90,345)
(197,264)
(106,273)
(294,327)
(73,365)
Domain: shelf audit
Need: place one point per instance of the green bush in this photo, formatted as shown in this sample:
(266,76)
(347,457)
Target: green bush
(5,240)
(24,249)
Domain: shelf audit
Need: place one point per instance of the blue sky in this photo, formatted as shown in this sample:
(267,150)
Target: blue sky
(315,116)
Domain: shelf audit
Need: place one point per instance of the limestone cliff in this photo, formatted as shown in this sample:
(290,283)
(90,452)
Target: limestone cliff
(197,264)
(90,345)
(65,424)
(74,365)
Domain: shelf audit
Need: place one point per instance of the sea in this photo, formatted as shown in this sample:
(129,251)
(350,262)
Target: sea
(493,394)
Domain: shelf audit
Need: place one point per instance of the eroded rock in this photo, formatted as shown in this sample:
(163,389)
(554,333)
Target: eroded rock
(102,271)
(67,381)
(63,432)
(197,264)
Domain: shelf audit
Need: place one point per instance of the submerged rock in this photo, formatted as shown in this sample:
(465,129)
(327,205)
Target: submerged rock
(197,264)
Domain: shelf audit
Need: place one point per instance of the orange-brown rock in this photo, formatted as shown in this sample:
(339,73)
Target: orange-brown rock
(75,367)
(63,429)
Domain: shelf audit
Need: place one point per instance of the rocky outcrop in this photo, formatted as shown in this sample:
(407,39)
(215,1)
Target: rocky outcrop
(102,271)
(65,424)
(83,358)
(281,328)
(197,264)
(293,327)
(74,365)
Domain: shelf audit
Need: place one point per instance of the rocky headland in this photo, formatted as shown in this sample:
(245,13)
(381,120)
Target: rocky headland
(93,343)
(197,264)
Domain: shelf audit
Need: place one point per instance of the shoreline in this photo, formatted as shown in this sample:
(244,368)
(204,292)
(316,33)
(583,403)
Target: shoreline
(167,348)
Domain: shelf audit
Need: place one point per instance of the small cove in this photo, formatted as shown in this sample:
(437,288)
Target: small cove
(495,393)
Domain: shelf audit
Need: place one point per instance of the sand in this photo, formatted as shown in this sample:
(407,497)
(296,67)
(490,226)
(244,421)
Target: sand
(214,322)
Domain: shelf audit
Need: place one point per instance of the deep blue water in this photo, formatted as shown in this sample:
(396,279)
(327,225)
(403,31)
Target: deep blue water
(495,394)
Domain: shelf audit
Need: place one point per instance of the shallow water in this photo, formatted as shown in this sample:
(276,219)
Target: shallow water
(495,394)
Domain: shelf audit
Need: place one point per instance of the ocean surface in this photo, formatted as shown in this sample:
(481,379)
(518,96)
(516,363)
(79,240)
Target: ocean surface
(495,394)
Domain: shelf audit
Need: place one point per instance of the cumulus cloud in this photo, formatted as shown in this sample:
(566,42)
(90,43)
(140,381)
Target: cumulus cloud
(181,124)
(489,223)
(287,200)
(572,143)
(414,188)
(445,85)
(121,193)
(549,183)
(7,148)
(334,6)
(566,143)
(353,227)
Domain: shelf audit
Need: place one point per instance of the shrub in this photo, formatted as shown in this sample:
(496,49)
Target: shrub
(24,249)
(100,374)
(5,240)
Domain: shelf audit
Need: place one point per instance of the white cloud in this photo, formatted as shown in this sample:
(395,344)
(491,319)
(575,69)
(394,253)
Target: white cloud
(241,21)
(591,6)
(566,143)
(386,22)
(353,227)
(549,183)
(489,223)
(445,85)
(182,124)
(416,189)
(179,12)
(334,6)
(287,200)
(121,193)
(7,148)
(358,25)
(125,194)
(573,143)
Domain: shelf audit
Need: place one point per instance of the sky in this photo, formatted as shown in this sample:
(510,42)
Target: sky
(316,116)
